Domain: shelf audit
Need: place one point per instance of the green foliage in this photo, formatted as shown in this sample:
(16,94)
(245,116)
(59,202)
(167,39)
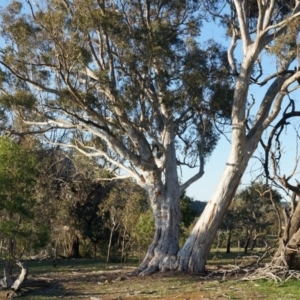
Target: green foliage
(188,216)
(251,213)
(19,98)
(15,7)
(138,54)
(119,79)
(88,220)
(18,176)
(39,236)
(144,229)
(120,210)
(287,44)
(18,171)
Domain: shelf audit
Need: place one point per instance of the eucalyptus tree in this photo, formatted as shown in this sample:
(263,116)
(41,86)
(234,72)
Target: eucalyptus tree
(126,82)
(264,31)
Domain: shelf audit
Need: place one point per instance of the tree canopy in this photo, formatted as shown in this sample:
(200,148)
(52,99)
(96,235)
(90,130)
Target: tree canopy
(118,76)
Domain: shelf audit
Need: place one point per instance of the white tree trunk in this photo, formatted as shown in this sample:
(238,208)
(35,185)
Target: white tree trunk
(161,255)
(20,280)
(112,230)
(193,255)
(164,194)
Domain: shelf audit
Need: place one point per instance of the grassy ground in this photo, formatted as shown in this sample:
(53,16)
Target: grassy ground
(93,279)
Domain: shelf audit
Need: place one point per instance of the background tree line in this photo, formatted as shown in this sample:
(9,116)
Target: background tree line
(63,211)
(52,205)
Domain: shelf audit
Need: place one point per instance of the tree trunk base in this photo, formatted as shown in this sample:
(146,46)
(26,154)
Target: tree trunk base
(158,263)
(287,254)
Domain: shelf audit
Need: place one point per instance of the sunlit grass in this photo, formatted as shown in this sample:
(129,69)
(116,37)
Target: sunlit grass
(82,278)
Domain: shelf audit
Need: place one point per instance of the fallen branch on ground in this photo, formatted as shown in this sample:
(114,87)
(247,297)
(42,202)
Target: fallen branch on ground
(8,282)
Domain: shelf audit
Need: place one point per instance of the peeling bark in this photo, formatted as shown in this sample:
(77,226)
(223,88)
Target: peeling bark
(164,193)
(161,255)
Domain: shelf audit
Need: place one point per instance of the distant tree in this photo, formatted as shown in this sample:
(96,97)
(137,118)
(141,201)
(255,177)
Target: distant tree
(81,194)
(136,204)
(254,209)
(18,175)
(188,216)
(121,209)
(228,226)
(251,214)
(64,181)
(88,220)
(57,197)
(143,231)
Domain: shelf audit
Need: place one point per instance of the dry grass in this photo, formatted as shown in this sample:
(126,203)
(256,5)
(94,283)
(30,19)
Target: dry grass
(90,279)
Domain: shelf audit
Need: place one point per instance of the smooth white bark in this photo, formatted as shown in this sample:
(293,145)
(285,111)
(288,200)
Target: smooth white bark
(164,196)
(193,255)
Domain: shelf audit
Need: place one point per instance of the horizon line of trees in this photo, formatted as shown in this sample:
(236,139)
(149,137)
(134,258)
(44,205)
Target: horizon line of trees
(108,219)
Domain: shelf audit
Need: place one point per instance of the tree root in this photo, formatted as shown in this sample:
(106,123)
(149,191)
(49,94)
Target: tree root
(159,263)
(149,270)
(249,268)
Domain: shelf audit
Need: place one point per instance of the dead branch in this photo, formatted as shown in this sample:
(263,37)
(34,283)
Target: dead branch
(20,280)
(271,272)
(8,286)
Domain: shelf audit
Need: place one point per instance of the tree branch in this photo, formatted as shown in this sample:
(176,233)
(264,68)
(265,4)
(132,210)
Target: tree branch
(242,18)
